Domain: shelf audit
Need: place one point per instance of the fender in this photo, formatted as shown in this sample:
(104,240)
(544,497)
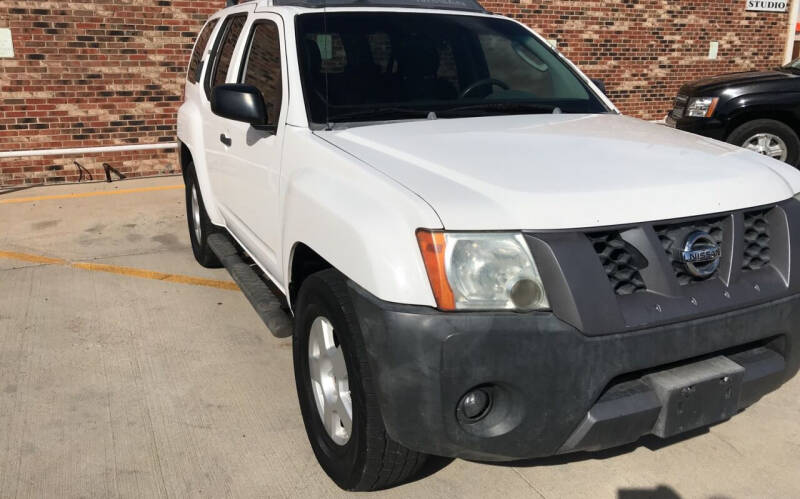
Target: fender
(784,106)
(359,220)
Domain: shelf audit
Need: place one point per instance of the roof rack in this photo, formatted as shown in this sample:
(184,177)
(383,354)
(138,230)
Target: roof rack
(231,3)
(467,5)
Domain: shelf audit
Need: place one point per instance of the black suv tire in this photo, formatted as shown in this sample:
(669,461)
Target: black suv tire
(200,226)
(369,459)
(744,132)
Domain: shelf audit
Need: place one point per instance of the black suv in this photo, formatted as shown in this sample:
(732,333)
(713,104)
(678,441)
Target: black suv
(759,110)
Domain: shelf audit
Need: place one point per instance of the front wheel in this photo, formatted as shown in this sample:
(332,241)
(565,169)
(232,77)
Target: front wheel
(768,137)
(336,393)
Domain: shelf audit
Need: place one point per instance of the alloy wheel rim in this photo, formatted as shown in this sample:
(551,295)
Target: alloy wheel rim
(769,145)
(329,381)
(198,231)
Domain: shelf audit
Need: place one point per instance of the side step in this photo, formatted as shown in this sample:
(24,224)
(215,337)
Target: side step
(267,305)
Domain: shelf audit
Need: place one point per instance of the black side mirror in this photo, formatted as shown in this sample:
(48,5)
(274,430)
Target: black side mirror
(241,103)
(600,84)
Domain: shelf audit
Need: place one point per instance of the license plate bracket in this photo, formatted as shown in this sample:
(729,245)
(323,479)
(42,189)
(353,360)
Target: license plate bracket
(696,395)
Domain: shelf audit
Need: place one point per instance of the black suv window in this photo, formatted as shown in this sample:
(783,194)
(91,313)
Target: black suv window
(223,51)
(262,66)
(195,66)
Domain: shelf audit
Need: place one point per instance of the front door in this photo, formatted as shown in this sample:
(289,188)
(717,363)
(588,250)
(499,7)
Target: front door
(248,177)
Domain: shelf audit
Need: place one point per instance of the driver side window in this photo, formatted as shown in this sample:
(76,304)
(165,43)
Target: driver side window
(262,67)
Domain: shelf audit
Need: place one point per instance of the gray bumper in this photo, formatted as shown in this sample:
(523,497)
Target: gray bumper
(556,389)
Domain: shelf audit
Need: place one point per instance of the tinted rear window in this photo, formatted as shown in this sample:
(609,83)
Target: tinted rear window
(195,66)
(226,43)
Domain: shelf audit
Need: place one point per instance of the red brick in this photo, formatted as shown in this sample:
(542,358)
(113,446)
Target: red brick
(85,73)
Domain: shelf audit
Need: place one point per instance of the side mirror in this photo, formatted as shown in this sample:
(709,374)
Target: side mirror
(241,103)
(601,84)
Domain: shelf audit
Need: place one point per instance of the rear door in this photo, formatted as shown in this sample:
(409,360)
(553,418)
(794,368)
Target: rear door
(248,177)
(219,64)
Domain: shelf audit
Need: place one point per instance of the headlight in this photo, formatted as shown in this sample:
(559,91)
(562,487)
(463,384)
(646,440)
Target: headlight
(702,107)
(489,271)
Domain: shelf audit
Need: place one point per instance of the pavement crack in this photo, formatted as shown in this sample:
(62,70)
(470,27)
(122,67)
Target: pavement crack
(111,423)
(726,442)
(531,485)
(32,266)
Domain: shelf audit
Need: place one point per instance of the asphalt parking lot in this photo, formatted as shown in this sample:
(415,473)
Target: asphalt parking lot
(126,369)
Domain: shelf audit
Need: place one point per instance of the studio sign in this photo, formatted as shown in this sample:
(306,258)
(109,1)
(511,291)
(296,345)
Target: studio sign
(768,5)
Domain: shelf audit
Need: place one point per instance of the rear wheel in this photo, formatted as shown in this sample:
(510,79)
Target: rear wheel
(200,226)
(768,137)
(336,393)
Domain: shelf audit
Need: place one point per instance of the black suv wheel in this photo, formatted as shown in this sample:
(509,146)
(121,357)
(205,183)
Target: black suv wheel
(768,137)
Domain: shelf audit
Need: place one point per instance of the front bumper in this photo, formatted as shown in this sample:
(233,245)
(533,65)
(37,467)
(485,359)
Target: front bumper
(707,127)
(557,390)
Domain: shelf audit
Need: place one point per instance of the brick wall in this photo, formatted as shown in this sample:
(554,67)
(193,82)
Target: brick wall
(646,49)
(110,72)
(94,73)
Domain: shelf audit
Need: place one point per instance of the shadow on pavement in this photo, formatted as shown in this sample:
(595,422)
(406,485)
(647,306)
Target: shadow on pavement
(660,492)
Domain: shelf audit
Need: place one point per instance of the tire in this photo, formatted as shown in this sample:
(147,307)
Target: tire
(748,133)
(366,458)
(200,226)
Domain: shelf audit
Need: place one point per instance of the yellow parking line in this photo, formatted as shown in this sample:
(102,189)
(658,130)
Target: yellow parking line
(91,194)
(158,276)
(25,257)
(126,271)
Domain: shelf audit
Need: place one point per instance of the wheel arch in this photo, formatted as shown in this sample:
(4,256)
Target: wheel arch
(744,115)
(303,262)
(185,158)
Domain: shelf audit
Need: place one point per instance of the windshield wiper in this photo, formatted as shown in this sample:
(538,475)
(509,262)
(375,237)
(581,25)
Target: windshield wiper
(499,107)
(378,113)
(384,113)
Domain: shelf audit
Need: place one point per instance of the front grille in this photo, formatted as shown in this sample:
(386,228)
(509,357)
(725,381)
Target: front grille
(629,277)
(672,237)
(756,240)
(621,262)
(679,108)
(624,262)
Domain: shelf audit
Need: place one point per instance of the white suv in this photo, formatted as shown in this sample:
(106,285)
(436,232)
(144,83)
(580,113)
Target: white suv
(483,258)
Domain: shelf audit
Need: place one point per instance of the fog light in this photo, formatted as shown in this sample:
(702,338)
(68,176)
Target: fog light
(475,405)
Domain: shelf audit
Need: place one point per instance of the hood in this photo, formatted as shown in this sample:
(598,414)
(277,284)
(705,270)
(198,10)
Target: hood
(564,171)
(735,79)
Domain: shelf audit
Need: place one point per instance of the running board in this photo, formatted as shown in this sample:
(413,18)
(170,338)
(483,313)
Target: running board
(267,305)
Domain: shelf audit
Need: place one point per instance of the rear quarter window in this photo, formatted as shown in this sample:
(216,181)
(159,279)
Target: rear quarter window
(223,51)
(196,63)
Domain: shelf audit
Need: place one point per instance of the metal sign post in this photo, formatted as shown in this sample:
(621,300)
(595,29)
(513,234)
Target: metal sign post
(791,33)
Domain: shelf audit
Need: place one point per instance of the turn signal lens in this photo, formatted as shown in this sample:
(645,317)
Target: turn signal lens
(432,246)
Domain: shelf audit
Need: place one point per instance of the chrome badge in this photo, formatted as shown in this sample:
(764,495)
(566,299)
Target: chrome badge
(700,254)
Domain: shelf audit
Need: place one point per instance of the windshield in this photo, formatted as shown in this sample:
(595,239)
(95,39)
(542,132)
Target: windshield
(377,66)
(795,64)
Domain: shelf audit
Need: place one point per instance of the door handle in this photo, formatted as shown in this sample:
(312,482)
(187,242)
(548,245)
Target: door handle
(225,139)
